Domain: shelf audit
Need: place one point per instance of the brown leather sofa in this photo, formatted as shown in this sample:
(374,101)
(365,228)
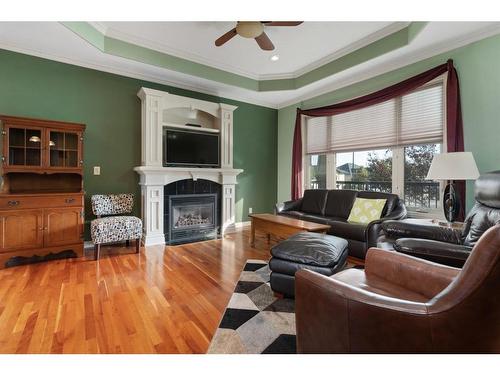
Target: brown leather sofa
(402,304)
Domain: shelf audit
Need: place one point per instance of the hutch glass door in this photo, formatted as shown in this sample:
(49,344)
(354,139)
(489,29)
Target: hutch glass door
(25,147)
(63,148)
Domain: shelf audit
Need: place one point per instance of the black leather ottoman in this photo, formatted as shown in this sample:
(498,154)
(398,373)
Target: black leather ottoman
(317,252)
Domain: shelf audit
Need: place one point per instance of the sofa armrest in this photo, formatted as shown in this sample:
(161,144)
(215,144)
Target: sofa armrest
(325,307)
(288,206)
(442,252)
(374,228)
(419,275)
(408,229)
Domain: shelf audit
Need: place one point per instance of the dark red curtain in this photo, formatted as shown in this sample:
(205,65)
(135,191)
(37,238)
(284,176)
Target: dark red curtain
(454,127)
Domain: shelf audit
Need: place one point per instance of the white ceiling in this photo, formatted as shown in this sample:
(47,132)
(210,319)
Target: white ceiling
(54,41)
(299,47)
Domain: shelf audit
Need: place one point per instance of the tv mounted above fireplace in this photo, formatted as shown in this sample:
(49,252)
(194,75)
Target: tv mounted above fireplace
(190,148)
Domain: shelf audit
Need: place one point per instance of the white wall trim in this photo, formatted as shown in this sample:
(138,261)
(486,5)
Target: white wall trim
(238,227)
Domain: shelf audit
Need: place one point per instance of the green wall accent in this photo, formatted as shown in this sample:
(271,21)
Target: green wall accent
(109,106)
(146,55)
(477,66)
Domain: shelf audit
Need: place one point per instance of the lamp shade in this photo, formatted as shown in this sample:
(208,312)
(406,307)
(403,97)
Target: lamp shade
(453,166)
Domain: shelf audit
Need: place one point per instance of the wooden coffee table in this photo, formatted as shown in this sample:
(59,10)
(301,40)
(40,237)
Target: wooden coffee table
(282,226)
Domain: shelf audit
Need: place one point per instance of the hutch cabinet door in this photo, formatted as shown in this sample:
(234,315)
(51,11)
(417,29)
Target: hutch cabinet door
(64,149)
(21,230)
(23,147)
(63,226)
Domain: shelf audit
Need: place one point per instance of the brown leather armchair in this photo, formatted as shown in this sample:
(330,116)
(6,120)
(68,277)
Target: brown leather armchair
(402,304)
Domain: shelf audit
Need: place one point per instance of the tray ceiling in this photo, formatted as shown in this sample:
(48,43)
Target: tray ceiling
(299,48)
(315,57)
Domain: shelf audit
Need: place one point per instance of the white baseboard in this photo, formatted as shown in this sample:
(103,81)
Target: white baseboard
(153,239)
(236,227)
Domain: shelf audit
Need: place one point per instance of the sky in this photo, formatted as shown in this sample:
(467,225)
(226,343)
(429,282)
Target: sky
(359,158)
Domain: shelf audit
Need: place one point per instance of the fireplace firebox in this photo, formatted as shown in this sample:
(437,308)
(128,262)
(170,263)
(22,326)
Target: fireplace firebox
(192,217)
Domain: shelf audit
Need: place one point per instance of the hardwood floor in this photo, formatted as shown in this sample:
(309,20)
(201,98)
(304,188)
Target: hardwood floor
(163,300)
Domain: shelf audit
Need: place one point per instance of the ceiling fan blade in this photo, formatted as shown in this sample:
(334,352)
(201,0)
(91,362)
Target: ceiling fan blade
(282,23)
(264,42)
(226,37)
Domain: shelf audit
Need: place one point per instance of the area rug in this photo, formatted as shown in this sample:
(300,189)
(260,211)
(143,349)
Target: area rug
(255,321)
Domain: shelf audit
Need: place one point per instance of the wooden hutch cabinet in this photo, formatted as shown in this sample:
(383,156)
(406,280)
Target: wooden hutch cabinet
(41,194)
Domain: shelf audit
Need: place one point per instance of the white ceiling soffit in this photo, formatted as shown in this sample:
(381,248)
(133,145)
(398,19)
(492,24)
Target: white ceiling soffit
(53,41)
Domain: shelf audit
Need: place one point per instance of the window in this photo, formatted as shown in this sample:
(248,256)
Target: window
(420,194)
(364,170)
(386,147)
(317,171)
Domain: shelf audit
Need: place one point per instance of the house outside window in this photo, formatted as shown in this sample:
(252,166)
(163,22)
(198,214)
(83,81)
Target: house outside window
(386,147)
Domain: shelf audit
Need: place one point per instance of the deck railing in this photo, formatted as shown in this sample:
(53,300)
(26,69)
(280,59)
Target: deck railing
(417,194)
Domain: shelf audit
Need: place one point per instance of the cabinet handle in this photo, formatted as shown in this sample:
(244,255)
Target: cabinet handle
(13,203)
(70,200)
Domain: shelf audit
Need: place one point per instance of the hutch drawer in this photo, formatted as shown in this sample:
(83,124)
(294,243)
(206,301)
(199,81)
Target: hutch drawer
(18,202)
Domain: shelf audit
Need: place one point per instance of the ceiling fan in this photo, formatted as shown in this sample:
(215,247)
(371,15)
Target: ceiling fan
(254,29)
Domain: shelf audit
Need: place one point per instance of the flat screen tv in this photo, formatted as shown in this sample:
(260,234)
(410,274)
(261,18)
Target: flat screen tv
(190,148)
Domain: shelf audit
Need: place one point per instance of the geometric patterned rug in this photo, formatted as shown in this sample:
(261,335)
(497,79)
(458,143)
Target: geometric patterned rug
(255,321)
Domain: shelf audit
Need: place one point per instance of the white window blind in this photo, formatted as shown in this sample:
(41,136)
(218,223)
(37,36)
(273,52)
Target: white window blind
(413,118)
(422,117)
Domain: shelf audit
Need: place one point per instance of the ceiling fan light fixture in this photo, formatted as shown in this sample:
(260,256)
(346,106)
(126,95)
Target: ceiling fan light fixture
(249,29)
(254,30)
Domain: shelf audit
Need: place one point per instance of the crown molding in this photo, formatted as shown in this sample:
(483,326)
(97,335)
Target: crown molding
(160,47)
(360,43)
(423,54)
(139,53)
(220,92)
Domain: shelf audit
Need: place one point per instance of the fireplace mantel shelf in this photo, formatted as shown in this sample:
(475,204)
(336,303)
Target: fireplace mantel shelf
(166,175)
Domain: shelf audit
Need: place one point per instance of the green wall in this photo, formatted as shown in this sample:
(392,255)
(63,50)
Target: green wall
(479,74)
(109,106)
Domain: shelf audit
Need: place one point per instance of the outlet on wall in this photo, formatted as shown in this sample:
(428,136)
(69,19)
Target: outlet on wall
(250,210)
(97,171)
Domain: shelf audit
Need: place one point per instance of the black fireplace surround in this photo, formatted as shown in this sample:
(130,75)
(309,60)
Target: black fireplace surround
(192,211)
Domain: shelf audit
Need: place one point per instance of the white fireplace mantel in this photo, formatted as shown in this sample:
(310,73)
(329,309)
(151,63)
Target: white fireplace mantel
(161,109)
(166,175)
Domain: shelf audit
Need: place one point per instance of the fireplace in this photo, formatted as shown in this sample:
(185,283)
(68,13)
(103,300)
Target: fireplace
(192,211)
(193,217)
(161,109)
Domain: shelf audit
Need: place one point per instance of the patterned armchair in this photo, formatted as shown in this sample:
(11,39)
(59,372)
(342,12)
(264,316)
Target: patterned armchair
(110,229)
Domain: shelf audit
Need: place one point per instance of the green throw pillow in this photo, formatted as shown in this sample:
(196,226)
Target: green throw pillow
(365,210)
